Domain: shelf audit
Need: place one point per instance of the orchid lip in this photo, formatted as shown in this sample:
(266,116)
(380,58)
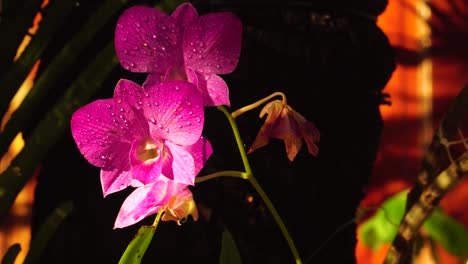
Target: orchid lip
(148,152)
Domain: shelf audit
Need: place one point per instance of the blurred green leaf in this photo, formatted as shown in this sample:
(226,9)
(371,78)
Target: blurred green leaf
(51,127)
(383,226)
(137,247)
(56,16)
(46,231)
(11,254)
(64,60)
(17,17)
(229,252)
(451,234)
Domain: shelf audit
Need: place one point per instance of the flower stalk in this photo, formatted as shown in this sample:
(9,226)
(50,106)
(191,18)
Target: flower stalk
(254,182)
(249,107)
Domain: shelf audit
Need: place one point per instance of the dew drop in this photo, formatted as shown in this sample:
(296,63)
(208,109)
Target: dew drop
(198,119)
(156,103)
(189,103)
(122,109)
(189,123)
(177,88)
(137,24)
(146,94)
(132,64)
(190,113)
(145,44)
(152,120)
(154,36)
(124,39)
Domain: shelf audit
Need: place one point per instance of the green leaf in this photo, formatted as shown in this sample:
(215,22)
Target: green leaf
(137,247)
(229,252)
(451,234)
(61,62)
(11,254)
(57,14)
(16,18)
(46,231)
(52,126)
(383,226)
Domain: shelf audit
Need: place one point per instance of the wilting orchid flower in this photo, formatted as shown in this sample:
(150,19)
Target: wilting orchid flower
(284,123)
(142,134)
(182,46)
(179,207)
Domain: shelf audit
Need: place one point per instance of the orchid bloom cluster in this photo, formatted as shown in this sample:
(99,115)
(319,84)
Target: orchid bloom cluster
(149,136)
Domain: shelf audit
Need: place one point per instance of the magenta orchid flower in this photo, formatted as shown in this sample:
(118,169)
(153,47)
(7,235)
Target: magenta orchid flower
(174,198)
(142,135)
(182,46)
(283,122)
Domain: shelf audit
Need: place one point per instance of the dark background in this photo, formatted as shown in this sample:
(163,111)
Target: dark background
(331,60)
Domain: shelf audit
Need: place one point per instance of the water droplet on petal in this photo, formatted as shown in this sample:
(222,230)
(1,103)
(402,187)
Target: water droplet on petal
(154,36)
(152,120)
(177,88)
(124,39)
(198,119)
(189,123)
(156,103)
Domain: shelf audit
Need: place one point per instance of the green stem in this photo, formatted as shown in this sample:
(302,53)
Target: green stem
(238,174)
(256,185)
(158,217)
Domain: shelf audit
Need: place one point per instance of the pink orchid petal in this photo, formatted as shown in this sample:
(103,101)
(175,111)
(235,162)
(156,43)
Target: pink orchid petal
(114,180)
(129,100)
(212,43)
(175,112)
(140,203)
(180,167)
(184,14)
(201,152)
(145,40)
(101,135)
(145,172)
(212,88)
(147,200)
(187,161)
(153,79)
